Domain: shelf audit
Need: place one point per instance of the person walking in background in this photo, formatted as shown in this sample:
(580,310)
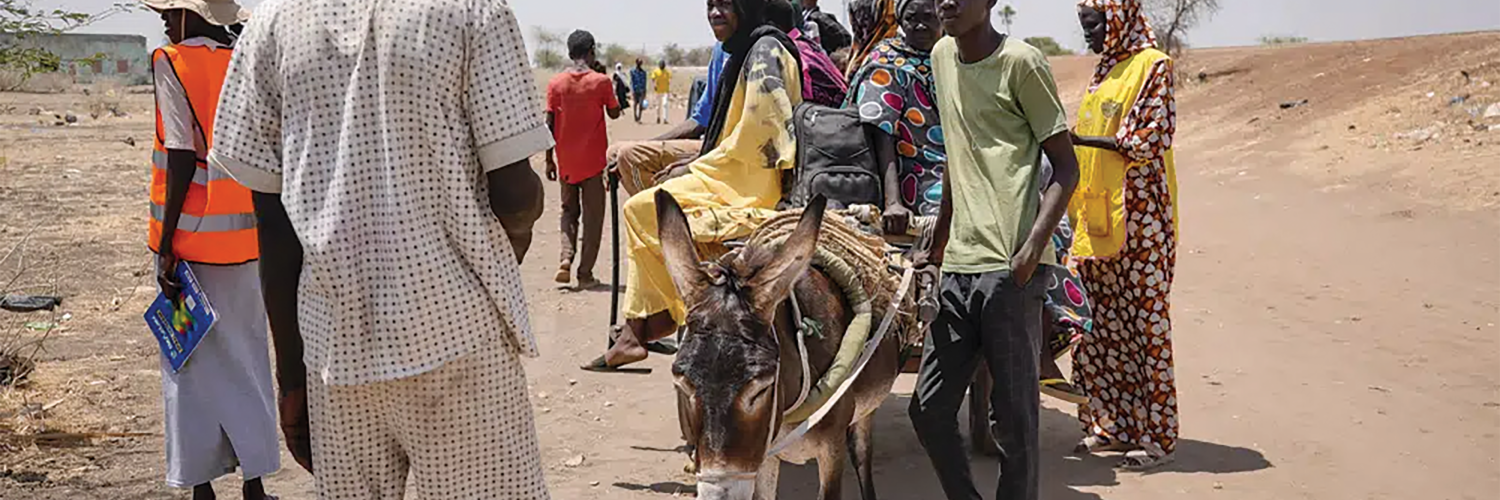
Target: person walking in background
(642,164)
(219,406)
(1125,248)
(395,199)
(622,89)
(577,100)
(638,88)
(994,229)
(661,78)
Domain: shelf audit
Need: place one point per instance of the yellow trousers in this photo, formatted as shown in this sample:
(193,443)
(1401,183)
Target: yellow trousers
(649,289)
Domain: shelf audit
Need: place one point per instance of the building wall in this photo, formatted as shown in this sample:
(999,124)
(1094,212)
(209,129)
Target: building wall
(124,56)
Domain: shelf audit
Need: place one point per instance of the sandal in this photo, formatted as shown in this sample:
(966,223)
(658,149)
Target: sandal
(1062,390)
(601,365)
(1141,461)
(1100,444)
(564,275)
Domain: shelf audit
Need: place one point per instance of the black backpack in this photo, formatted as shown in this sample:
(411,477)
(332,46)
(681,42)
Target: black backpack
(834,159)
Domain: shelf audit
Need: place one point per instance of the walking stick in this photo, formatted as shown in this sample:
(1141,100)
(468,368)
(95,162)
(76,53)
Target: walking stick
(614,248)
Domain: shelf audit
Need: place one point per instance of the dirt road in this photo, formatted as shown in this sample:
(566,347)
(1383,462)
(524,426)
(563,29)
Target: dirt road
(1336,330)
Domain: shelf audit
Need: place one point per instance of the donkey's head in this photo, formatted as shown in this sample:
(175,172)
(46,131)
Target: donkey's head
(727,369)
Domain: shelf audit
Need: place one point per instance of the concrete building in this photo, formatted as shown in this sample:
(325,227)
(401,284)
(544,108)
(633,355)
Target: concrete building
(88,57)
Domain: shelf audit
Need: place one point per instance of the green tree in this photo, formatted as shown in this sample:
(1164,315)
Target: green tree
(1048,46)
(548,53)
(611,53)
(1173,18)
(22,22)
(673,54)
(1275,40)
(1007,16)
(549,59)
(700,56)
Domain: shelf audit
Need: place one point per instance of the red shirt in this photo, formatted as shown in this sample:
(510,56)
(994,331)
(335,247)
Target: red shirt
(577,102)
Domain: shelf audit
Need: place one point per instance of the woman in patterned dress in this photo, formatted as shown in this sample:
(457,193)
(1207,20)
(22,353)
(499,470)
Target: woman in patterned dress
(1125,247)
(893,93)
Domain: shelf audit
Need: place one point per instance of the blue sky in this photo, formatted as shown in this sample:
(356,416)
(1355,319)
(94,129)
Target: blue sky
(652,23)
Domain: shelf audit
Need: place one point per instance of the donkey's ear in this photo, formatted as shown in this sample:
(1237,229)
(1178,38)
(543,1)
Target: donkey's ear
(772,283)
(677,246)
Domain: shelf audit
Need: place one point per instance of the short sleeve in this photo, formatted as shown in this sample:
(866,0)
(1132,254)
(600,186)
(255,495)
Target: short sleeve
(500,92)
(247,128)
(1146,132)
(554,100)
(176,114)
(704,109)
(607,96)
(1036,92)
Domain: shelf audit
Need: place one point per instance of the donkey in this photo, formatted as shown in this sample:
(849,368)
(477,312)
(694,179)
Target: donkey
(739,369)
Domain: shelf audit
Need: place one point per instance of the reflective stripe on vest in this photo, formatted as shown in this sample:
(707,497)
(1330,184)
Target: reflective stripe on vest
(217,224)
(207,223)
(159,162)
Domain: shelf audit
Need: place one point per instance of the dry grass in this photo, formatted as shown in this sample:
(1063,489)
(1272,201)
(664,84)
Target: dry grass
(105,98)
(45,83)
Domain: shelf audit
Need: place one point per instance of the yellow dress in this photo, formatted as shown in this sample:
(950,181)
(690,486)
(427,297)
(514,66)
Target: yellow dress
(730,189)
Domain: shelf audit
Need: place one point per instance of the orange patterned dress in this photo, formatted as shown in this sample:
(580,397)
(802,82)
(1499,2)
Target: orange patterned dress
(1125,363)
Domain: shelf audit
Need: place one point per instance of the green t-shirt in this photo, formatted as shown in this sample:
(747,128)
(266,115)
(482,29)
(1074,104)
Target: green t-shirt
(996,113)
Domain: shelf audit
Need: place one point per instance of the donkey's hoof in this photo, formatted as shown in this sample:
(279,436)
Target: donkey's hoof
(691,467)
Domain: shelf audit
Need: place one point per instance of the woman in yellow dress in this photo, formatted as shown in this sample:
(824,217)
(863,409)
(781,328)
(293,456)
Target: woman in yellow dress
(747,149)
(1125,245)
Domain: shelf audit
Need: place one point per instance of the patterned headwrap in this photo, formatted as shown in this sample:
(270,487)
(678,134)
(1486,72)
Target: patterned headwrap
(1126,32)
(872,21)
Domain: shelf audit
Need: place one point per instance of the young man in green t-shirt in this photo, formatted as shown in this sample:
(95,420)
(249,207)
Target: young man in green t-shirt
(1000,113)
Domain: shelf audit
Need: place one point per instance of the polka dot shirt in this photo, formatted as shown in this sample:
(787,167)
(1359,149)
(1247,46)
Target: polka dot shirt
(376,122)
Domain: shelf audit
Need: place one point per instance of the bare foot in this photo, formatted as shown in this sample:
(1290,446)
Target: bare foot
(564,274)
(627,349)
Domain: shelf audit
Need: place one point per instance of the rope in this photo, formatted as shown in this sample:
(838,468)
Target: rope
(858,265)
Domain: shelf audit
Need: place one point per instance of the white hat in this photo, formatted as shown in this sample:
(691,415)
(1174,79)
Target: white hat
(217,12)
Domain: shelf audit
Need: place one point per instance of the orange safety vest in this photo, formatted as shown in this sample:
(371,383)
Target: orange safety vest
(218,220)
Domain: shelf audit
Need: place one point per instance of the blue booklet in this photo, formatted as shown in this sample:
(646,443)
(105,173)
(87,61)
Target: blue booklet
(181,326)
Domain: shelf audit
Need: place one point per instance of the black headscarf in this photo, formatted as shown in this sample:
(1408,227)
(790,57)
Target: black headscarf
(755,22)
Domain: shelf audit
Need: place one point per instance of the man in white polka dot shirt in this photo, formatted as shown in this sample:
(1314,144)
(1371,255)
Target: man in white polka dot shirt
(387,146)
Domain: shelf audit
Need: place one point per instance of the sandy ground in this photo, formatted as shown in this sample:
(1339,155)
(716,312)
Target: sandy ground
(1336,301)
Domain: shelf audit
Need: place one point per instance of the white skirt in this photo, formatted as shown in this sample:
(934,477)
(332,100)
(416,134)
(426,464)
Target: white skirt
(220,409)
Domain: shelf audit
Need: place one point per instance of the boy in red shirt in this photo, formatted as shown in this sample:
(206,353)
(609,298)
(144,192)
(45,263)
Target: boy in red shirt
(577,100)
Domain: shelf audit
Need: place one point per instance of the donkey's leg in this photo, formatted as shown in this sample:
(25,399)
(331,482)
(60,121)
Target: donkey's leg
(831,467)
(862,453)
(767,478)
